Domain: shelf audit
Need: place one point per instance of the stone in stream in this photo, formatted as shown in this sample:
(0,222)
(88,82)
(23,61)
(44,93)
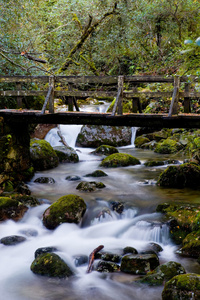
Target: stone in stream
(139,264)
(48,180)
(89,186)
(12,240)
(66,154)
(105,150)
(67,209)
(44,250)
(97,173)
(51,265)
(73,178)
(119,160)
(183,287)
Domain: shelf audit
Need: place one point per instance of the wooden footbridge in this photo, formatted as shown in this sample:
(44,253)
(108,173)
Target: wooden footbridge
(119,87)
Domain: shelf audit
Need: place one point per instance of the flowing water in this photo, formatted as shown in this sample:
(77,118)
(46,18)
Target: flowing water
(138,225)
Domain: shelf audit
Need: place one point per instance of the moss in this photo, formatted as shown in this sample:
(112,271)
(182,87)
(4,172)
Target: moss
(90,186)
(67,209)
(154,163)
(119,160)
(97,173)
(191,244)
(43,155)
(185,175)
(105,150)
(7,202)
(167,146)
(141,140)
(51,265)
(185,287)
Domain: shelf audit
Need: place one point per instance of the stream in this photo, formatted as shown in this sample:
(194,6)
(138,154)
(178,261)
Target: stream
(137,226)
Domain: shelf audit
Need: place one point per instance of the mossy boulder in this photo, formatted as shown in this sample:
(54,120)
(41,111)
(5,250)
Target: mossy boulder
(141,140)
(50,265)
(67,209)
(191,245)
(194,149)
(89,186)
(139,264)
(168,146)
(181,176)
(43,156)
(105,150)
(119,160)
(154,163)
(183,287)
(107,267)
(97,173)
(11,209)
(94,136)
(163,273)
(66,154)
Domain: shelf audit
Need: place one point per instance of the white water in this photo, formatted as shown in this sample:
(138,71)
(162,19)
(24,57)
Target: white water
(137,226)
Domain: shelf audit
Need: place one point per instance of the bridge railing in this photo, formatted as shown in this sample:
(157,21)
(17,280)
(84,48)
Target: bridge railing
(74,87)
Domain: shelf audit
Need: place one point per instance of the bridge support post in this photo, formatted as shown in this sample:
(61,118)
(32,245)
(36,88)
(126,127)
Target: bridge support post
(70,99)
(175,97)
(51,98)
(187,108)
(120,87)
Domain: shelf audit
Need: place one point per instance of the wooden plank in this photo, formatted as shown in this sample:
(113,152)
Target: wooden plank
(187,108)
(10,79)
(80,94)
(132,94)
(120,102)
(51,97)
(23,93)
(116,102)
(142,79)
(47,99)
(131,120)
(107,80)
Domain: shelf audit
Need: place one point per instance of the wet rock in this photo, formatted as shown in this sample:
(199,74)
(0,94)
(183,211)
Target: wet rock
(43,156)
(117,206)
(153,163)
(107,267)
(12,240)
(97,173)
(94,136)
(185,175)
(139,264)
(172,162)
(11,209)
(106,256)
(155,247)
(184,287)
(73,178)
(168,146)
(191,245)
(141,140)
(80,260)
(41,130)
(89,186)
(29,232)
(23,189)
(163,273)
(66,154)
(67,209)
(129,250)
(44,250)
(26,200)
(119,160)
(105,150)
(51,265)
(47,180)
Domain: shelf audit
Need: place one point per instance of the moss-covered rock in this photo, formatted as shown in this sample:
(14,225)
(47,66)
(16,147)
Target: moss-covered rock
(11,209)
(107,267)
(89,186)
(184,287)
(66,154)
(154,163)
(43,156)
(191,245)
(50,265)
(105,150)
(139,263)
(97,173)
(185,175)
(168,146)
(119,160)
(141,140)
(163,273)
(94,136)
(67,209)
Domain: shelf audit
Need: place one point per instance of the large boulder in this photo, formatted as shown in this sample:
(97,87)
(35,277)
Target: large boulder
(163,273)
(67,209)
(119,160)
(185,175)
(139,264)
(191,245)
(141,140)
(105,150)
(43,156)
(94,136)
(51,265)
(183,287)
(89,186)
(66,154)
(168,146)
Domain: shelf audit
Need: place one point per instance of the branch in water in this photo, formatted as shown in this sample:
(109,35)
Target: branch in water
(92,257)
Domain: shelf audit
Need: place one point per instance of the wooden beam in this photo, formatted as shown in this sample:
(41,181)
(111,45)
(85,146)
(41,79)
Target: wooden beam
(187,108)
(175,97)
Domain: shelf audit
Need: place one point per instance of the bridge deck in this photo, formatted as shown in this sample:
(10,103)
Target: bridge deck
(131,120)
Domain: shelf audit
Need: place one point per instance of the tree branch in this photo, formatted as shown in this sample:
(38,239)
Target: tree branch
(12,62)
